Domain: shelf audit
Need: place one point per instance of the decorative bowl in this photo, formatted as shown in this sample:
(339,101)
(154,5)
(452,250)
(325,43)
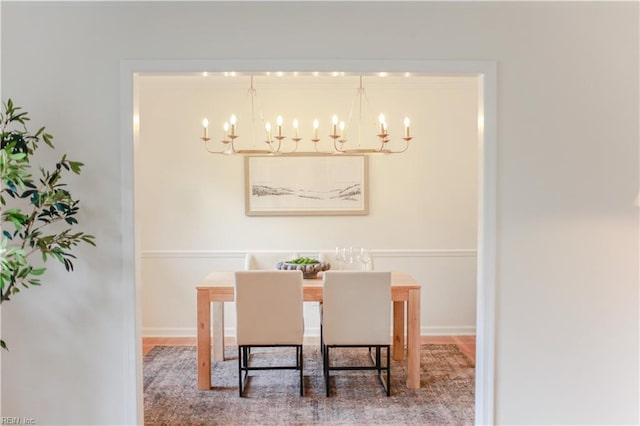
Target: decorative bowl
(309,270)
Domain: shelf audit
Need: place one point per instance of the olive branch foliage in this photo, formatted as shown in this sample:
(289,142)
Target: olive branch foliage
(37,214)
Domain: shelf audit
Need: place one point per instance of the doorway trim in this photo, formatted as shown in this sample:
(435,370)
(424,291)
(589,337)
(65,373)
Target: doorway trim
(486,73)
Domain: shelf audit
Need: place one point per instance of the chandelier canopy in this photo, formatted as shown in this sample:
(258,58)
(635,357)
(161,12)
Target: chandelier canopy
(329,138)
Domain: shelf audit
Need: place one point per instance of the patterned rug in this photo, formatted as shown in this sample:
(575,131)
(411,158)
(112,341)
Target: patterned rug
(171,396)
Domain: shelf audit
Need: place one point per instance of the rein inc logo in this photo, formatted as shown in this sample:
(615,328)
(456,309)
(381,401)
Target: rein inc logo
(17,421)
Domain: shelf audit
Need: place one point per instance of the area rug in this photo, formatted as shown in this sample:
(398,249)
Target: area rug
(171,395)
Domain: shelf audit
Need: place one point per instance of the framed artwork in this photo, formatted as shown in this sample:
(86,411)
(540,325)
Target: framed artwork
(306,185)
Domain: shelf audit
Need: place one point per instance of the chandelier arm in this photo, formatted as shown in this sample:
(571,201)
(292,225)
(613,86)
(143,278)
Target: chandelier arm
(233,147)
(295,148)
(210,151)
(399,151)
(321,152)
(276,150)
(335,146)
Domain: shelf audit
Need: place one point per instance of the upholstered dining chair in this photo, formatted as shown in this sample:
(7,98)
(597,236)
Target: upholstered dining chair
(268,314)
(356,313)
(266,259)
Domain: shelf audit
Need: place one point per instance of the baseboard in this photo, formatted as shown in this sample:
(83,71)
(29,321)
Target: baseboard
(169,332)
(459,330)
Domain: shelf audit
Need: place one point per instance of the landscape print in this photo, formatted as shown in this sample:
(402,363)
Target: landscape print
(351,192)
(305,185)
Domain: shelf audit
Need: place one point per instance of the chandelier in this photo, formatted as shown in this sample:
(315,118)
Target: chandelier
(336,142)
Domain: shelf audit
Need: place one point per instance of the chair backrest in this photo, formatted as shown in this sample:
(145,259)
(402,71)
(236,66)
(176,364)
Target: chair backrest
(356,308)
(269,307)
(266,260)
(330,257)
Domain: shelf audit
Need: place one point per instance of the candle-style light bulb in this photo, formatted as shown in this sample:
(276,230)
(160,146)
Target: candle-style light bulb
(382,123)
(225,130)
(295,127)
(233,120)
(315,128)
(406,127)
(205,124)
(342,129)
(267,127)
(334,121)
(279,122)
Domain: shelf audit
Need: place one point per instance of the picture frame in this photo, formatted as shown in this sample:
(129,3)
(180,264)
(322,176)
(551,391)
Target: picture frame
(306,185)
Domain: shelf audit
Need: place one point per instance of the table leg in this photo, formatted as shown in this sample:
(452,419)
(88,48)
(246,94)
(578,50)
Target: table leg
(398,331)
(218,331)
(413,339)
(204,340)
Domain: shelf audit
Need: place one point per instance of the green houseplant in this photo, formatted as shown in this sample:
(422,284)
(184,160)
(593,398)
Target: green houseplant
(37,211)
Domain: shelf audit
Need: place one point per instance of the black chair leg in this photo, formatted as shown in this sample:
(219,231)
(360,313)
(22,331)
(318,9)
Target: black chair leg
(246,352)
(301,366)
(388,371)
(240,352)
(326,369)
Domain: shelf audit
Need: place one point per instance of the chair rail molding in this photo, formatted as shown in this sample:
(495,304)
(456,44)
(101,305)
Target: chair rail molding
(220,254)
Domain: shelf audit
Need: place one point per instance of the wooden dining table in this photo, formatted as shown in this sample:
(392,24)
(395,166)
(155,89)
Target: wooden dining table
(218,287)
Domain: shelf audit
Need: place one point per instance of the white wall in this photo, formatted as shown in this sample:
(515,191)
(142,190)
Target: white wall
(567,233)
(422,202)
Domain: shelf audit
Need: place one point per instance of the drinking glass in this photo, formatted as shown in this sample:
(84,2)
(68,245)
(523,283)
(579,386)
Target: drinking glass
(355,253)
(365,257)
(340,256)
(348,254)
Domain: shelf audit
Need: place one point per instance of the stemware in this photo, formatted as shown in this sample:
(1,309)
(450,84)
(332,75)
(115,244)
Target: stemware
(340,256)
(348,255)
(365,257)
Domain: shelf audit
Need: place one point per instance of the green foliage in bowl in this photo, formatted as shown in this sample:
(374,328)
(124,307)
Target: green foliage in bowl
(309,266)
(304,261)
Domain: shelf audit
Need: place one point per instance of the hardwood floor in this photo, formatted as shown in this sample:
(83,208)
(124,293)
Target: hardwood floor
(466,344)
